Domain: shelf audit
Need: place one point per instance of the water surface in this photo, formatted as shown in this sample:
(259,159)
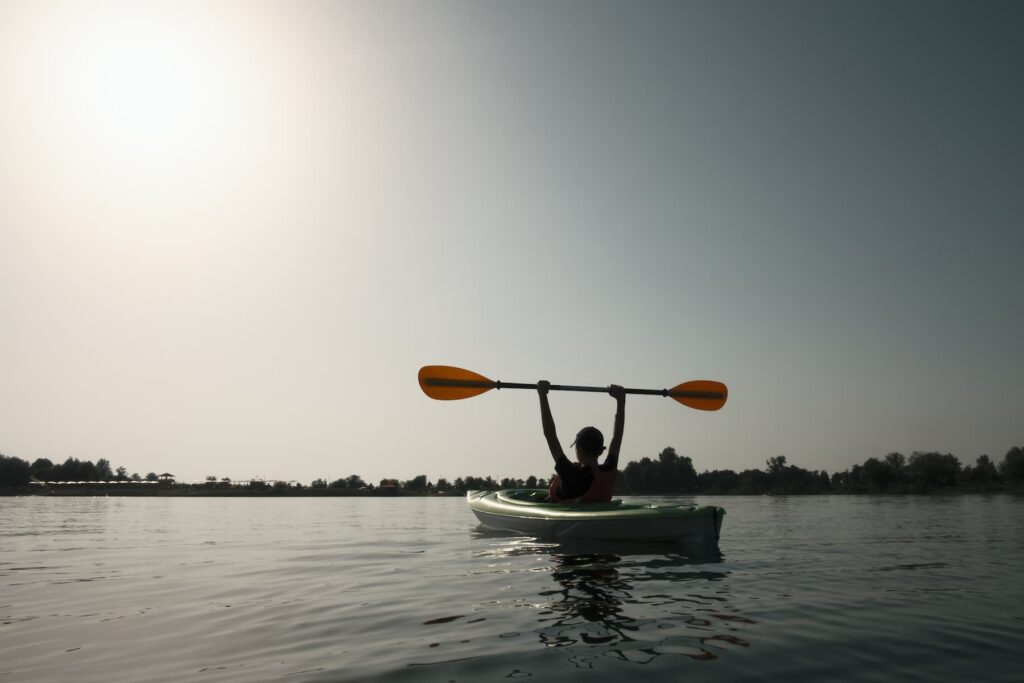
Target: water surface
(348,589)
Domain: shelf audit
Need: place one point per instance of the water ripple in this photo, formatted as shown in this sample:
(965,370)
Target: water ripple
(241,590)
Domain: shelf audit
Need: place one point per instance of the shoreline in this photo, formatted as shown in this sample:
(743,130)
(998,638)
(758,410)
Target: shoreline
(187,491)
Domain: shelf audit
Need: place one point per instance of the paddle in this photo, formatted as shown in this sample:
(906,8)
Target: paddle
(445,383)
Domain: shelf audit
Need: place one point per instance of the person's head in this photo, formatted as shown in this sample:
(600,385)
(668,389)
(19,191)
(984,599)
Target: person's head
(589,444)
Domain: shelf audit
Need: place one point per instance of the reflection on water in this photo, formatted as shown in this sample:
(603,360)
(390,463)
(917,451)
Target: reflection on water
(632,602)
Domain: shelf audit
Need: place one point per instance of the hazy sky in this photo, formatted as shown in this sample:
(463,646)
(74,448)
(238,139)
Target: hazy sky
(231,233)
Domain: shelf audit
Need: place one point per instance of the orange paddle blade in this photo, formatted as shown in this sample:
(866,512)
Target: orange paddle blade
(445,383)
(702,394)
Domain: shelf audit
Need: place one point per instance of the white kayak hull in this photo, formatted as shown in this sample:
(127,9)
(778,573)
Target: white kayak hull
(522,511)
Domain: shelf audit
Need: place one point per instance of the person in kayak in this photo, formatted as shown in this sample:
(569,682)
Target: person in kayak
(584,481)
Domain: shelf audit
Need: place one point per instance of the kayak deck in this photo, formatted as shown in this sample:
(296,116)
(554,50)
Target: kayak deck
(525,511)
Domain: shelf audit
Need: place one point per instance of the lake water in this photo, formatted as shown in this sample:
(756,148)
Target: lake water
(351,589)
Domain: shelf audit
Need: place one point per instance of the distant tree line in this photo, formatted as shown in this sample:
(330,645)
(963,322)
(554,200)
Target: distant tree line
(895,473)
(672,474)
(669,474)
(15,472)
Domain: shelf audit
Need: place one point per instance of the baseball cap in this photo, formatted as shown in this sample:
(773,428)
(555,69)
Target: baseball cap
(590,439)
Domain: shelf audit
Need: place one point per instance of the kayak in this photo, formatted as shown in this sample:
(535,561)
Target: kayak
(524,511)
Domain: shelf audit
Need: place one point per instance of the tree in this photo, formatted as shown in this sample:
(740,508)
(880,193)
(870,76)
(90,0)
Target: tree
(675,472)
(984,471)
(418,483)
(103,471)
(897,462)
(74,469)
(933,470)
(783,478)
(1012,466)
(14,472)
(476,484)
(754,481)
(876,475)
(685,476)
(41,469)
(151,476)
(353,481)
(640,477)
(65,471)
(318,484)
(776,465)
(121,474)
(777,473)
(718,481)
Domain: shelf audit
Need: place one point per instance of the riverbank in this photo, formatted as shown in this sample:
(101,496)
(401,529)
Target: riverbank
(200,491)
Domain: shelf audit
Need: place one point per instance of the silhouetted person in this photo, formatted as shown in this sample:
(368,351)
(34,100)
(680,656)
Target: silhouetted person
(584,481)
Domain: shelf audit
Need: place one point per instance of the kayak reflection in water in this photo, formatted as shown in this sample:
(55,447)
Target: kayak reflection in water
(584,481)
(587,606)
(640,607)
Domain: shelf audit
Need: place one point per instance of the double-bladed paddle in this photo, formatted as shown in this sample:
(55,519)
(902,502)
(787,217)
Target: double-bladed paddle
(445,383)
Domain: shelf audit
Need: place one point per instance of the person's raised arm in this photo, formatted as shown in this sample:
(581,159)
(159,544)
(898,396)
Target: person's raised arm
(619,394)
(548,422)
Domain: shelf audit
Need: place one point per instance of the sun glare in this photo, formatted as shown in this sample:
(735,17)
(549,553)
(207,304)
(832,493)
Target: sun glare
(141,87)
(142,91)
(142,97)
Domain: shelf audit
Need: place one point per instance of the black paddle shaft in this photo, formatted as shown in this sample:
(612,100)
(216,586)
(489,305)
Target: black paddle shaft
(470,383)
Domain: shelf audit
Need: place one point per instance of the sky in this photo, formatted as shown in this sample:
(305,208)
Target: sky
(231,233)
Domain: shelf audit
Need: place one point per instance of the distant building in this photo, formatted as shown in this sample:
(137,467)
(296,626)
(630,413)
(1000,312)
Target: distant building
(388,487)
